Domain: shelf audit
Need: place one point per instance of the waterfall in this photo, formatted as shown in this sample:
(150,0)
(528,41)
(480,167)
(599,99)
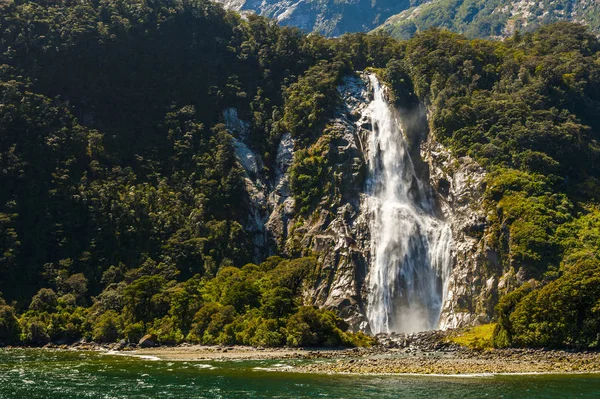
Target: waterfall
(410,245)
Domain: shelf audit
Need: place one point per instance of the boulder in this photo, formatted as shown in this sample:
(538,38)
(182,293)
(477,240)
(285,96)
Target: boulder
(148,341)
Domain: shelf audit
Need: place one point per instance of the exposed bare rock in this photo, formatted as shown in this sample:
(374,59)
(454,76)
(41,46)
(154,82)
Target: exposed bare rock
(235,125)
(331,18)
(148,341)
(472,286)
(254,181)
(337,231)
(280,200)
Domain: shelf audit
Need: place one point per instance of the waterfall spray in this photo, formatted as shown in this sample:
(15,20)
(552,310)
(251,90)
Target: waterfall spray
(410,246)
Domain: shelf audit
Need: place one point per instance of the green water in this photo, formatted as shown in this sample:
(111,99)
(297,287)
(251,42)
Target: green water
(65,375)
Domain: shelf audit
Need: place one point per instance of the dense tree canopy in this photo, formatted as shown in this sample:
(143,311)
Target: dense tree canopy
(122,208)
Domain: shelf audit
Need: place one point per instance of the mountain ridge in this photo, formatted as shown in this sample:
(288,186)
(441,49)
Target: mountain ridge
(474,18)
(330,17)
(490,18)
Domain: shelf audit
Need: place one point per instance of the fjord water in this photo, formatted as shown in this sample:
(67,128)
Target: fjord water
(33,374)
(410,245)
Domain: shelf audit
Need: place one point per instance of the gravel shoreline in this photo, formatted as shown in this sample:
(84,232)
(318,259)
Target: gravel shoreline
(398,361)
(508,361)
(427,353)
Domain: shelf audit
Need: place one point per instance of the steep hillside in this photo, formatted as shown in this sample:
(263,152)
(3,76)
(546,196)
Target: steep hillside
(490,18)
(330,18)
(475,19)
(168,167)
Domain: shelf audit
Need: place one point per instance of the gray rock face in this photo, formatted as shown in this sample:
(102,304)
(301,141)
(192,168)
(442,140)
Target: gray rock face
(251,163)
(331,18)
(281,203)
(148,341)
(341,234)
(254,181)
(235,125)
(460,184)
(337,232)
(478,278)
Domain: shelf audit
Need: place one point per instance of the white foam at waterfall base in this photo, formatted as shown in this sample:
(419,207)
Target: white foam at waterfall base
(410,246)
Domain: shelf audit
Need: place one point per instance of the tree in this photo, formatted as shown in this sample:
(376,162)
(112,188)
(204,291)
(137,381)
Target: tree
(108,327)
(9,326)
(145,299)
(45,300)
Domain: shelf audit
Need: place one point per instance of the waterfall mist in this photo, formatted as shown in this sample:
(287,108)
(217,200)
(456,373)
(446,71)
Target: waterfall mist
(410,245)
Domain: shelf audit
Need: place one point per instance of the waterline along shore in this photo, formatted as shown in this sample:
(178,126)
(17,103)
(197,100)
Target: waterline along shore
(424,358)
(397,361)
(469,362)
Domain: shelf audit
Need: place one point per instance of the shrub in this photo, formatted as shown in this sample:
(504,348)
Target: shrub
(503,332)
(107,327)
(313,327)
(33,332)
(210,321)
(167,331)
(307,179)
(216,331)
(9,326)
(67,326)
(277,302)
(267,334)
(134,332)
(77,285)
(144,299)
(241,295)
(564,313)
(45,300)
(313,98)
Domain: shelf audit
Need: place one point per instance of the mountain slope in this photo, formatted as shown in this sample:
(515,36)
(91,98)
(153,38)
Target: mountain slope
(402,19)
(155,154)
(329,17)
(490,18)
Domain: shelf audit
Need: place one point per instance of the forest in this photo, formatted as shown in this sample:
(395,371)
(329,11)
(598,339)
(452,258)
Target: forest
(489,18)
(122,206)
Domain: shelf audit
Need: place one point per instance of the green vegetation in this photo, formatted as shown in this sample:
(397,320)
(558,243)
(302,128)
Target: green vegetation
(9,325)
(122,198)
(257,305)
(488,18)
(478,337)
(308,175)
(527,109)
(123,208)
(564,312)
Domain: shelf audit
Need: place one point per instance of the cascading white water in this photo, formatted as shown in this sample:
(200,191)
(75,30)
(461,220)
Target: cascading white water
(410,246)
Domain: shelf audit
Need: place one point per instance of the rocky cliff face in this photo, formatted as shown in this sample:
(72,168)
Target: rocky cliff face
(459,185)
(402,19)
(331,18)
(337,232)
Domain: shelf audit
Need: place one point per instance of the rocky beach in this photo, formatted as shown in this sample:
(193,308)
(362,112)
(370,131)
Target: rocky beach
(427,353)
(506,361)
